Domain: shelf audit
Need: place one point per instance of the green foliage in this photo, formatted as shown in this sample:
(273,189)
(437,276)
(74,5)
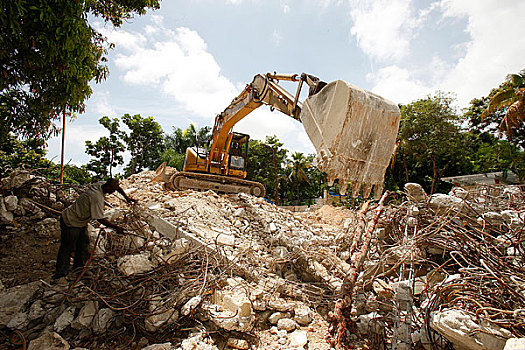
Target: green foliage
(49,54)
(430,140)
(177,143)
(266,165)
(510,99)
(30,154)
(145,142)
(21,154)
(107,151)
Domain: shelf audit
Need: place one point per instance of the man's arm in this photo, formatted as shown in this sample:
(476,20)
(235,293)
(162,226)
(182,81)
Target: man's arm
(128,199)
(109,224)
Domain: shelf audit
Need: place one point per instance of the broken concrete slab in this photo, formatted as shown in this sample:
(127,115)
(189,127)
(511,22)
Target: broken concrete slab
(415,192)
(286,324)
(13,300)
(65,319)
(463,330)
(86,315)
(49,341)
(102,320)
(515,344)
(134,264)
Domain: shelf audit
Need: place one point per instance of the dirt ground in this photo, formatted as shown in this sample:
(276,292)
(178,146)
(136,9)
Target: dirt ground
(27,256)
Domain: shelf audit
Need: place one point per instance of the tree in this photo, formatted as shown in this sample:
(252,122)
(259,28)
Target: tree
(30,154)
(265,165)
(298,165)
(430,134)
(510,97)
(177,143)
(48,54)
(107,151)
(145,142)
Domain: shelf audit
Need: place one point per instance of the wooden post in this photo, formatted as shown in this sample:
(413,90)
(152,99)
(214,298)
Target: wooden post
(63,142)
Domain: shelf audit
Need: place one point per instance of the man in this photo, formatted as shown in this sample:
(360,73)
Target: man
(73,224)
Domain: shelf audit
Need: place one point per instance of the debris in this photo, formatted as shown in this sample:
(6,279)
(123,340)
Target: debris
(49,341)
(251,274)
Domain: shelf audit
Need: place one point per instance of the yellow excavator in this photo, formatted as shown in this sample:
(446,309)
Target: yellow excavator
(353,131)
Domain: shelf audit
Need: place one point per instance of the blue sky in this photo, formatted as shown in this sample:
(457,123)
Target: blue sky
(184,63)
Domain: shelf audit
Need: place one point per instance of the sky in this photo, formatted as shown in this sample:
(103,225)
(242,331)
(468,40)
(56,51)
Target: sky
(185,62)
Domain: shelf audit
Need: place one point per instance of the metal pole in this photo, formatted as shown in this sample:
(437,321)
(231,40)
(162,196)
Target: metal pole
(276,190)
(63,141)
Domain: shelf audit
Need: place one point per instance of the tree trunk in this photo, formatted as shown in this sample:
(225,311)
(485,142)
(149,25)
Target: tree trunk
(405,166)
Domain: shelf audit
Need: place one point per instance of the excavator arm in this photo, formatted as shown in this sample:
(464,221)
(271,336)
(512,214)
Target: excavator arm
(263,90)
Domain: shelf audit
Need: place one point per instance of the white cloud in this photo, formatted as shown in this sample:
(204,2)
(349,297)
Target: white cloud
(398,85)
(179,64)
(76,137)
(99,103)
(496,49)
(383,28)
(262,122)
(276,37)
(285,6)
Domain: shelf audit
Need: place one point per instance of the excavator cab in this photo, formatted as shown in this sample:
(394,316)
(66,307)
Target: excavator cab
(238,154)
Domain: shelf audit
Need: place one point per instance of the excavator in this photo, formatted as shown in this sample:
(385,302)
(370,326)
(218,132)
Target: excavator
(353,131)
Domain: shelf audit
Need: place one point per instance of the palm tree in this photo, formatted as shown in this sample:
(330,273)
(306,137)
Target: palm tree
(512,98)
(298,175)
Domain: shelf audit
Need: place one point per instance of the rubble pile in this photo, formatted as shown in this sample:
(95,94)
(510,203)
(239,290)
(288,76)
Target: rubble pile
(198,270)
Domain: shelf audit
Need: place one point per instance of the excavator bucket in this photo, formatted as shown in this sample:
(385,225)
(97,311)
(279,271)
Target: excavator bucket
(354,133)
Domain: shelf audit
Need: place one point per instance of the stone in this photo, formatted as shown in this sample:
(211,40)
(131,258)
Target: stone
(165,346)
(102,320)
(515,344)
(298,339)
(65,319)
(161,314)
(191,305)
(493,218)
(442,203)
(382,289)
(85,316)
(286,324)
(415,192)
(238,343)
(280,305)
(459,192)
(36,310)
(459,327)
(276,316)
(272,227)
(14,299)
(368,323)
(236,302)
(19,321)
(16,178)
(303,315)
(196,342)
(11,202)
(113,214)
(5,215)
(513,218)
(134,264)
(49,341)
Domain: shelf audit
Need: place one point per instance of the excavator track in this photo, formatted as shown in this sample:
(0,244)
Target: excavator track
(187,180)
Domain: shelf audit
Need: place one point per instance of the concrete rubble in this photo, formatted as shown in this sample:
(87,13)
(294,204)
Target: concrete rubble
(201,270)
